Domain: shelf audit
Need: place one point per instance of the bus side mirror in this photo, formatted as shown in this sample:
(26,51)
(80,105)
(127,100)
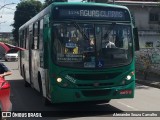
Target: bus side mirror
(136,39)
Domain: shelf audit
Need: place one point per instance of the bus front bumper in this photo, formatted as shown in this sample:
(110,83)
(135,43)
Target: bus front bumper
(61,95)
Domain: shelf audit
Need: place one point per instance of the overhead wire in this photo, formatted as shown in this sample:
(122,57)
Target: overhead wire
(4,11)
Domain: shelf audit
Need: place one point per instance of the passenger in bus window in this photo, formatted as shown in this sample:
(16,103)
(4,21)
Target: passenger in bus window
(109,43)
(91,46)
(4,71)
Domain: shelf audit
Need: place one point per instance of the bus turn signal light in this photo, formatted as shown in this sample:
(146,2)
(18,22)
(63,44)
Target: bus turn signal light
(128,77)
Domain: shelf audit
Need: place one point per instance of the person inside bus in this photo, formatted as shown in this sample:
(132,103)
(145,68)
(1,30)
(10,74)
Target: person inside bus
(4,71)
(109,43)
(91,46)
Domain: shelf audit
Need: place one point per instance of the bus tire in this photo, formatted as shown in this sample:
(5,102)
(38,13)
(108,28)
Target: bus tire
(26,84)
(40,84)
(107,101)
(47,102)
(99,102)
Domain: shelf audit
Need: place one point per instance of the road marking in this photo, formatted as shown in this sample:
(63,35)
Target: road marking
(128,106)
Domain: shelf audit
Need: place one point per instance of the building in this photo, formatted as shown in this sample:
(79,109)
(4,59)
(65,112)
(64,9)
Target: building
(6,36)
(147,19)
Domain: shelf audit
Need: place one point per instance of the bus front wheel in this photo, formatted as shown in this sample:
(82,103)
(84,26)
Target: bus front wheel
(47,102)
(99,101)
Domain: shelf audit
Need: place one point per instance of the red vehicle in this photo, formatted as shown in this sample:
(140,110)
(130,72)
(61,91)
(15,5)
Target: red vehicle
(5,103)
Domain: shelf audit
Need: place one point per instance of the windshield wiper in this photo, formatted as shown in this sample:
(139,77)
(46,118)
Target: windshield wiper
(80,29)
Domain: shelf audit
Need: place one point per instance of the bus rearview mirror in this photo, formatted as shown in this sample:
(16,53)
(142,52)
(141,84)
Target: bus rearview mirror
(136,39)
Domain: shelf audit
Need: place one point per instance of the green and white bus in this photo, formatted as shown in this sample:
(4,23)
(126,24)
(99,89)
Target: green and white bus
(77,52)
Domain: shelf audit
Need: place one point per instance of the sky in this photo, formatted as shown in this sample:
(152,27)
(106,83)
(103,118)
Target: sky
(7,13)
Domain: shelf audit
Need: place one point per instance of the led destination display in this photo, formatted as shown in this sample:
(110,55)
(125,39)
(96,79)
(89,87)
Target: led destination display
(90,13)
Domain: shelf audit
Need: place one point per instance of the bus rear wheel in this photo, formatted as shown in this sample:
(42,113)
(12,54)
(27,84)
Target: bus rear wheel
(26,84)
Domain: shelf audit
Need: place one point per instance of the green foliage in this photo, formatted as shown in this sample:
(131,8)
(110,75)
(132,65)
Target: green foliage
(25,10)
(101,1)
(48,2)
(146,61)
(158,44)
(7,41)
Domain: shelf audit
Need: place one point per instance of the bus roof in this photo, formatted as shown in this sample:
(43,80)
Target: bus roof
(49,8)
(89,3)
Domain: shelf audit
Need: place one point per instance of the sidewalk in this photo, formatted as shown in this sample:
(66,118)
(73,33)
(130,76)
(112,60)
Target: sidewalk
(152,80)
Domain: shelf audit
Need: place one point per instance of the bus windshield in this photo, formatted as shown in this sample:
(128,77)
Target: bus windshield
(92,45)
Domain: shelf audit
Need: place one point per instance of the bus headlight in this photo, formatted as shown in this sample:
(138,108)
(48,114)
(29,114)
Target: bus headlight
(128,77)
(59,80)
(62,83)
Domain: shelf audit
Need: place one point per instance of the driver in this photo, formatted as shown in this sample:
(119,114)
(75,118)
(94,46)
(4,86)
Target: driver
(110,44)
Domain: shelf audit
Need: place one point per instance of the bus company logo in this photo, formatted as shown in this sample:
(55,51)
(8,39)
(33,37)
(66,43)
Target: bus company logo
(6,114)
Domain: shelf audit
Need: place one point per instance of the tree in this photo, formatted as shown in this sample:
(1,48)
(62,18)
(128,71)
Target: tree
(25,10)
(101,1)
(97,1)
(146,62)
(48,2)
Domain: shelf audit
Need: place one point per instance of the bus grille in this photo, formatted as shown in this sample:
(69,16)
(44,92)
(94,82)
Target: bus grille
(94,93)
(100,76)
(93,85)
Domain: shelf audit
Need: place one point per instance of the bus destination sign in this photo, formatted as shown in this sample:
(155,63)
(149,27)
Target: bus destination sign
(92,13)
(97,14)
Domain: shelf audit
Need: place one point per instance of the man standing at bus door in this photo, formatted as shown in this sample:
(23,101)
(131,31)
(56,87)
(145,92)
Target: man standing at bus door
(4,71)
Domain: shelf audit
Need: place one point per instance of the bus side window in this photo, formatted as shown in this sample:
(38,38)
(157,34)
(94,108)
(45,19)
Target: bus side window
(26,39)
(30,36)
(45,39)
(41,47)
(23,37)
(36,36)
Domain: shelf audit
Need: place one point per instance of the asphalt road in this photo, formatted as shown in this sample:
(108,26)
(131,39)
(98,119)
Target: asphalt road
(27,99)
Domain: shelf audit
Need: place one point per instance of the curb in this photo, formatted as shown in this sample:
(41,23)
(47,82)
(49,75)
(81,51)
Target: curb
(148,83)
